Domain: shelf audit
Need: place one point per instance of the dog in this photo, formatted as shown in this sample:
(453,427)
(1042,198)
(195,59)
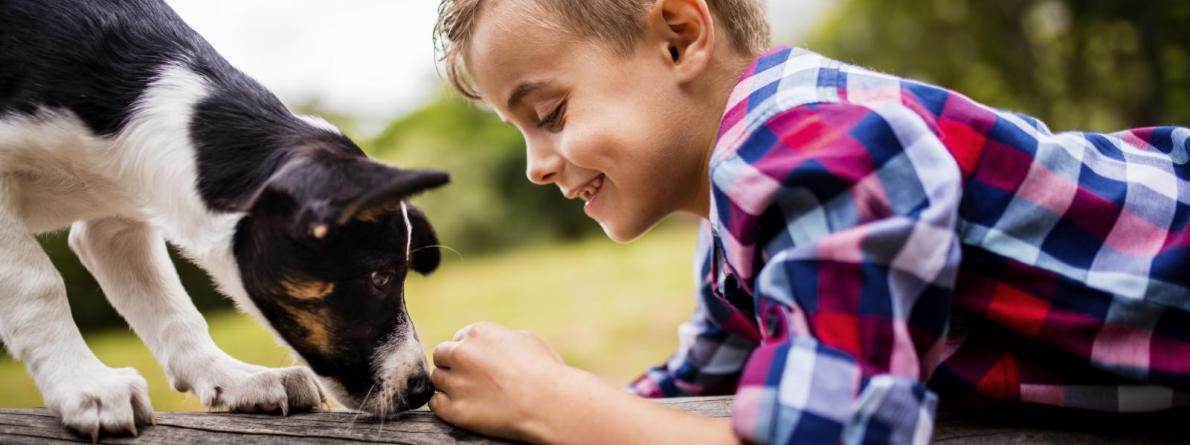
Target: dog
(120,122)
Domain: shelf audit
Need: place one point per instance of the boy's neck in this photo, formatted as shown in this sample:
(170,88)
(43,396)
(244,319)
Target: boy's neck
(722,78)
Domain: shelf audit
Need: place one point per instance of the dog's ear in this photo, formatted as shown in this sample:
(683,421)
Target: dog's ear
(319,193)
(424,248)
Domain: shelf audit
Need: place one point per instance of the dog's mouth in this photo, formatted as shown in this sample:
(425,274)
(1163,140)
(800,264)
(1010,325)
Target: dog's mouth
(401,378)
(386,397)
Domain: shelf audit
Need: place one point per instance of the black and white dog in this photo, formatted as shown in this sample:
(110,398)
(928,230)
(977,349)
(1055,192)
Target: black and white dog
(119,121)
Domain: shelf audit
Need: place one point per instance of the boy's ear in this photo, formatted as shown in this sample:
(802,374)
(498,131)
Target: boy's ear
(424,249)
(319,193)
(685,32)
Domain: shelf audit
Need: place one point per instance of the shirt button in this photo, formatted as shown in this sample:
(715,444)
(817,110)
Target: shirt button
(772,322)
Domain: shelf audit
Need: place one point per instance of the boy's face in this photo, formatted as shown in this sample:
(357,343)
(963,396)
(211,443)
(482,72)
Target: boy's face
(617,131)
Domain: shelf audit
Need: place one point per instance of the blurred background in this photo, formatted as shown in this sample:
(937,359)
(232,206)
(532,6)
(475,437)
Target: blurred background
(523,256)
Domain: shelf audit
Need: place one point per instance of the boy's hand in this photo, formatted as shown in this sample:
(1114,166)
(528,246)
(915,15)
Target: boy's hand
(501,382)
(510,384)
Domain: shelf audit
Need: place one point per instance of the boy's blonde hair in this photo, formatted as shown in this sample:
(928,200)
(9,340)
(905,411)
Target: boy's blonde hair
(618,22)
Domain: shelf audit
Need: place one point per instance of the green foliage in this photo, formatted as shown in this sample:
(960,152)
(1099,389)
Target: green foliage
(489,204)
(1099,65)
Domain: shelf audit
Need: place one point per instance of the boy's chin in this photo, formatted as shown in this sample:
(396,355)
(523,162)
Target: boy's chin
(625,230)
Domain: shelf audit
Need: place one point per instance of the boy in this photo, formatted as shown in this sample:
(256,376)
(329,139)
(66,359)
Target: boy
(869,242)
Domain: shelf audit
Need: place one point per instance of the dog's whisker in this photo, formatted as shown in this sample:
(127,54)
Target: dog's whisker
(383,416)
(440,246)
(362,404)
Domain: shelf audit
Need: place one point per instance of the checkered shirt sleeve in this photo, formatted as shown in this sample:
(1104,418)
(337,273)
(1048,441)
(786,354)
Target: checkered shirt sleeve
(709,359)
(859,258)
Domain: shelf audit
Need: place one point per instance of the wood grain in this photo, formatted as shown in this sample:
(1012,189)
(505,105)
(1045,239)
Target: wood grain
(1015,425)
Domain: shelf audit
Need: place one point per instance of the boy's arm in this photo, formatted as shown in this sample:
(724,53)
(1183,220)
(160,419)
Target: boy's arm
(854,210)
(510,384)
(708,360)
(599,413)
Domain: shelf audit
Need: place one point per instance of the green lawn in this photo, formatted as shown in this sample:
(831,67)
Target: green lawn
(612,309)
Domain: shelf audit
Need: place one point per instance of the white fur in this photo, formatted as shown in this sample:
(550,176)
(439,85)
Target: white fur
(319,122)
(125,196)
(408,231)
(396,361)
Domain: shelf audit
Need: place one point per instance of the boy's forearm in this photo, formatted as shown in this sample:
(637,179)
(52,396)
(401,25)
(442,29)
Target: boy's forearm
(589,411)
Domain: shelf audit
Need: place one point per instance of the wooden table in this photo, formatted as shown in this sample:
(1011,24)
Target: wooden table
(1014,425)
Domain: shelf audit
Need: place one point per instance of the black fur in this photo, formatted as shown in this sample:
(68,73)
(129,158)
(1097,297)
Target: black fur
(351,245)
(96,58)
(93,57)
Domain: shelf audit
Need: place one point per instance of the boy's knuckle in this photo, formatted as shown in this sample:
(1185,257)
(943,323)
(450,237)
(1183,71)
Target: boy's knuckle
(443,410)
(443,381)
(463,352)
(482,328)
(443,354)
(456,415)
(463,333)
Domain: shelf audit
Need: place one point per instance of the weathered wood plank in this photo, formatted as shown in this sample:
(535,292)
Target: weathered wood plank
(333,427)
(1017,425)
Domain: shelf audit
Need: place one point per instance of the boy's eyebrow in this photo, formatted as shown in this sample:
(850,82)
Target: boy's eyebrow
(521,91)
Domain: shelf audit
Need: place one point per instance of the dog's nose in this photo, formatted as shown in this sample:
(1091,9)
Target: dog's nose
(419,391)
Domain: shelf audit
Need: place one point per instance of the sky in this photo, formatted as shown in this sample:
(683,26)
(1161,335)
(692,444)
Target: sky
(372,60)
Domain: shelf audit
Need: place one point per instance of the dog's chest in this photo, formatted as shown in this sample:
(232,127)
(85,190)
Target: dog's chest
(58,172)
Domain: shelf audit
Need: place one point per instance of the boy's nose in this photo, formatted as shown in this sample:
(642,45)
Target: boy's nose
(541,178)
(544,165)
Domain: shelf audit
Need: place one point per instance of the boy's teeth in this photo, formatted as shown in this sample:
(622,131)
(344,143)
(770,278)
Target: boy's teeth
(590,191)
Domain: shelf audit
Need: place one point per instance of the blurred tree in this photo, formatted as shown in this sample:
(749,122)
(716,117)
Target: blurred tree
(1078,64)
(489,204)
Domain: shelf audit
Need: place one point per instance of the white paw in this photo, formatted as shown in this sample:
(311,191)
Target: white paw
(240,387)
(101,400)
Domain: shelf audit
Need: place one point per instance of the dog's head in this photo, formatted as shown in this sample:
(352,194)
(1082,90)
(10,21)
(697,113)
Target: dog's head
(323,251)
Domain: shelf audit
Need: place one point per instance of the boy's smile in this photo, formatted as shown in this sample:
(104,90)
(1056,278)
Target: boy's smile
(587,192)
(629,133)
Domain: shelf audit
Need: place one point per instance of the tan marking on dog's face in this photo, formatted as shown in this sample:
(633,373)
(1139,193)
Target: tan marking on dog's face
(307,290)
(374,214)
(320,231)
(369,216)
(317,335)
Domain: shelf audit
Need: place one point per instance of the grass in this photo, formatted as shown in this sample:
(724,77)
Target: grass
(611,309)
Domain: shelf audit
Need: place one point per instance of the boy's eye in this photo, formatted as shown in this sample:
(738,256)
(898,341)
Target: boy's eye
(554,119)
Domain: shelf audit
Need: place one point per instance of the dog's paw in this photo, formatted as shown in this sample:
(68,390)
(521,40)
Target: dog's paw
(240,387)
(101,401)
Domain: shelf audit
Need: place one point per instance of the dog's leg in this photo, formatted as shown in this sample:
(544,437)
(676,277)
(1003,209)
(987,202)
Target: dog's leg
(37,327)
(132,265)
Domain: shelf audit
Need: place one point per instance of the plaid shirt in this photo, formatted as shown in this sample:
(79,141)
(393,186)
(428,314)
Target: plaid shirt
(874,242)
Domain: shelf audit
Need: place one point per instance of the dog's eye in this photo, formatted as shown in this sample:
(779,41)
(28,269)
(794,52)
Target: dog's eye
(382,278)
